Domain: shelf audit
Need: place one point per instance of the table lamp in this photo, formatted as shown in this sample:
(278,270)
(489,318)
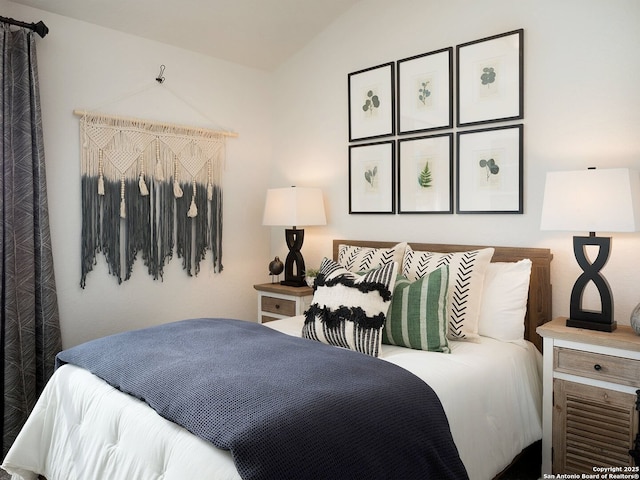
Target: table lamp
(605,200)
(294,206)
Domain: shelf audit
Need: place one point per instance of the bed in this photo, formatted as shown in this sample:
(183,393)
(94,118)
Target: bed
(489,387)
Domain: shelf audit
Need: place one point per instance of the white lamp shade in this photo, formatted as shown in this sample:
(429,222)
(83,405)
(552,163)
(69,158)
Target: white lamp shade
(294,206)
(594,200)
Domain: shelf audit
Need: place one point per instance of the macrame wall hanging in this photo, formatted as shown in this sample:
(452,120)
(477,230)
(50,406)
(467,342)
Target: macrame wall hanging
(149,189)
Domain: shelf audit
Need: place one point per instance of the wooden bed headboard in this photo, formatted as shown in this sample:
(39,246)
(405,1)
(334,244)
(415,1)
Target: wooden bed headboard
(539,302)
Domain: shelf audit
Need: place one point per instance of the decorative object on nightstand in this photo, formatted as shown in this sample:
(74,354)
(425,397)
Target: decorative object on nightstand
(276,301)
(634,320)
(591,397)
(294,206)
(310,275)
(592,200)
(275,269)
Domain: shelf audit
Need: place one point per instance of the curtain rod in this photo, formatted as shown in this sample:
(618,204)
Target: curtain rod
(40,28)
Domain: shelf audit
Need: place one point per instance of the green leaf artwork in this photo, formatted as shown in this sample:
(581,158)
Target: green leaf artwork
(372,101)
(424,179)
(424,92)
(490,166)
(370,175)
(488,75)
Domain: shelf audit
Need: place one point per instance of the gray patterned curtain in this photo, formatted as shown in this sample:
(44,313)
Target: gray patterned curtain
(30,331)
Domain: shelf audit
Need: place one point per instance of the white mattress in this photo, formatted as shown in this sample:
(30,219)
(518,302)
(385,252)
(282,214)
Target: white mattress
(83,429)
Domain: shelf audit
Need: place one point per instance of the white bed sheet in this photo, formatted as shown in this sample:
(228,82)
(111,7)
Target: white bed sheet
(83,429)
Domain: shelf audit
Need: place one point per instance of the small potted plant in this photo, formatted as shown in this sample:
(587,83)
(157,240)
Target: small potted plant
(310,275)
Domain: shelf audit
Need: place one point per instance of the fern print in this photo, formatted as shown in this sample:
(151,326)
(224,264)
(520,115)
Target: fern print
(424,178)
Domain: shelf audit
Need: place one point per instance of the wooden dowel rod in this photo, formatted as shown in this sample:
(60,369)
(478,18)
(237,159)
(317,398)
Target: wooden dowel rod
(82,113)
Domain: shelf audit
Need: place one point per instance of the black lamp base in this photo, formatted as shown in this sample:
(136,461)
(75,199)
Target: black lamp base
(603,320)
(591,325)
(294,264)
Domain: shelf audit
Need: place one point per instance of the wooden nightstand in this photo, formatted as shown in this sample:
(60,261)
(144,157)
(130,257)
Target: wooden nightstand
(277,301)
(590,393)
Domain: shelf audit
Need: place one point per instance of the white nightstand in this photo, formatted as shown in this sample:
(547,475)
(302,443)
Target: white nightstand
(277,301)
(590,398)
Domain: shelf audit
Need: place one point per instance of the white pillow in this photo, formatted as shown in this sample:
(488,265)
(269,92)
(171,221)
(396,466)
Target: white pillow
(504,301)
(466,282)
(361,259)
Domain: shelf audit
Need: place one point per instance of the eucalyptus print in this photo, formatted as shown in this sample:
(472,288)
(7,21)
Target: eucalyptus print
(372,101)
(424,92)
(490,167)
(488,76)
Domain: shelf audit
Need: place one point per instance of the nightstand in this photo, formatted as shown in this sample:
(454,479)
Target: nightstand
(277,301)
(591,396)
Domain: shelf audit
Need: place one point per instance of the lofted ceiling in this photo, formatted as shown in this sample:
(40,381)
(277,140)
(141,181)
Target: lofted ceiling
(257,33)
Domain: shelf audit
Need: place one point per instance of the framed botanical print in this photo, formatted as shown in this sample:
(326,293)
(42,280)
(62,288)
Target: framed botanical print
(489,170)
(425,174)
(372,177)
(489,82)
(425,92)
(372,102)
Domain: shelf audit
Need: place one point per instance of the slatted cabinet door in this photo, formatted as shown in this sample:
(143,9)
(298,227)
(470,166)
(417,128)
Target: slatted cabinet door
(592,426)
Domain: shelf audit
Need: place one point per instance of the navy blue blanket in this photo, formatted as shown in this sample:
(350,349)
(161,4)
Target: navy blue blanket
(286,407)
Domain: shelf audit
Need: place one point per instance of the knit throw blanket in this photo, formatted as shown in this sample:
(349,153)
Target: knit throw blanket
(286,407)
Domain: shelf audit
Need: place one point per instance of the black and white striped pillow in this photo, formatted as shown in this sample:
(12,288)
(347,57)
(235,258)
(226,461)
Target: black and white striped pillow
(362,259)
(466,282)
(349,310)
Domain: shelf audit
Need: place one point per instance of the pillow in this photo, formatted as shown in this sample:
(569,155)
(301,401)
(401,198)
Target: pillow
(361,259)
(417,317)
(504,300)
(466,280)
(349,310)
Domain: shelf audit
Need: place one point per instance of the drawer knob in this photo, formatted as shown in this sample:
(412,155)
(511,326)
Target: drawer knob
(278,306)
(597,367)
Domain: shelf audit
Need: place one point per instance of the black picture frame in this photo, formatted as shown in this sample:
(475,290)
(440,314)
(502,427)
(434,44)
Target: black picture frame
(372,102)
(489,170)
(489,81)
(425,92)
(425,174)
(372,177)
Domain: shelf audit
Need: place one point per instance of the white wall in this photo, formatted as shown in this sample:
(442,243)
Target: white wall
(82,66)
(581,109)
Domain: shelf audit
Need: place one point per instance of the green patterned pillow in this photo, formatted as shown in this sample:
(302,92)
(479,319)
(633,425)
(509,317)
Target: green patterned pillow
(417,317)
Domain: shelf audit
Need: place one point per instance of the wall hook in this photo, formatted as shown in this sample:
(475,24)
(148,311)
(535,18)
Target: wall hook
(160,77)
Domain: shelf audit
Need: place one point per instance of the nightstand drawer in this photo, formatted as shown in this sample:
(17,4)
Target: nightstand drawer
(278,305)
(624,371)
(276,301)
